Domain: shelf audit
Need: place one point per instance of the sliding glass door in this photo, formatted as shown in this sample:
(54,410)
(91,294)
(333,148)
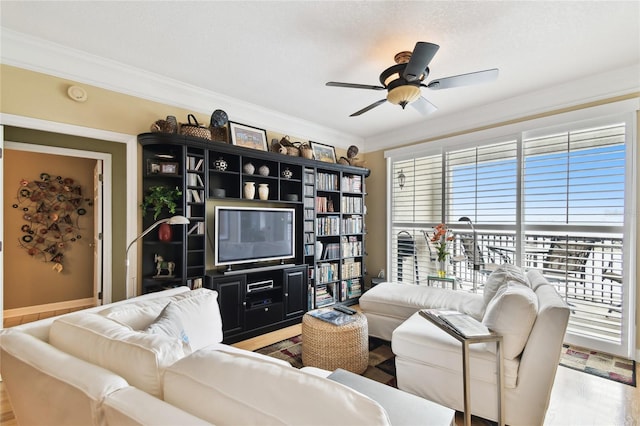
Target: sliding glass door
(556,199)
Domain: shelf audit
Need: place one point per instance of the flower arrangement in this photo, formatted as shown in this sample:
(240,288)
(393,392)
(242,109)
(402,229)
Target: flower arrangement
(441,237)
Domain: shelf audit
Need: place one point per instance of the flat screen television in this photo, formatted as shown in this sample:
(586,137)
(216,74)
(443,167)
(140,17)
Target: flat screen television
(248,234)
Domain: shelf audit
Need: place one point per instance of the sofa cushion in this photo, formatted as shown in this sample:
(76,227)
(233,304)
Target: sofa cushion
(511,313)
(170,324)
(403,300)
(227,388)
(140,358)
(197,309)
(499,278)
(419,341)
(131,407)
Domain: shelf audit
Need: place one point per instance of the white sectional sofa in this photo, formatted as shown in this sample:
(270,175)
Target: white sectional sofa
(525,309)
(158,360)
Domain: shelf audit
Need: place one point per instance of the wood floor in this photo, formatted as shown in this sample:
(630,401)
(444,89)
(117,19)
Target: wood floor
(577,398)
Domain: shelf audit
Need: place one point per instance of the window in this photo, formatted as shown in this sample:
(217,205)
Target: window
(552,198)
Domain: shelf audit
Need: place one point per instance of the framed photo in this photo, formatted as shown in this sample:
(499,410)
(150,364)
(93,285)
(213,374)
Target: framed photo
(169,168)
(248,136)
(322,152)
(153,167)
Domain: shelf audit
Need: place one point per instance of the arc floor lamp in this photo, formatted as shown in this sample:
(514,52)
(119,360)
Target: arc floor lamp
(173,220)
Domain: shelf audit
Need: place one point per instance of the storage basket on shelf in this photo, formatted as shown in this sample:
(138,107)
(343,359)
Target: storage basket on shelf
(291,147)
(194,128)
(306,151)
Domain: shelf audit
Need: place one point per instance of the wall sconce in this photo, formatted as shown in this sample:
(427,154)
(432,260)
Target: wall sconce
(401,178)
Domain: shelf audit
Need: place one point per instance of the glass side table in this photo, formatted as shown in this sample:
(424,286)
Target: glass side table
(443,280)
(466,379)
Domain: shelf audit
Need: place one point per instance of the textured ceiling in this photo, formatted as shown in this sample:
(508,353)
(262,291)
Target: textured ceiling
(278,55)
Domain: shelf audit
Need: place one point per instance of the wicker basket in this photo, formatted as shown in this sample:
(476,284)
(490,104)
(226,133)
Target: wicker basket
(329,346)
(292,148)
(195,129)
(306,151)
(220,134)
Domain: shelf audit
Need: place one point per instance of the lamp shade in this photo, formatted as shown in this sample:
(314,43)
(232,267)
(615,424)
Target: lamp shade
(178,220)
(403,95)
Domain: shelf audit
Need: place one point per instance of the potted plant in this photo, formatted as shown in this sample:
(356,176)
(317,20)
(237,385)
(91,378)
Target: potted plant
(159,197)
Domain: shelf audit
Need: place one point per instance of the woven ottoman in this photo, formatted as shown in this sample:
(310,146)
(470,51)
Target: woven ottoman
(330,347)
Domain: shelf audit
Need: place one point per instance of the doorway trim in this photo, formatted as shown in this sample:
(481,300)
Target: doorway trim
(131,169)
(106,277)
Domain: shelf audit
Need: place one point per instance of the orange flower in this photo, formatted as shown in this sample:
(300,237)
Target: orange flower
(441,236)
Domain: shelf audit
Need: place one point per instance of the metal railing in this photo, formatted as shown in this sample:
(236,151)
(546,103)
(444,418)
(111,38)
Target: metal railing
(586,270)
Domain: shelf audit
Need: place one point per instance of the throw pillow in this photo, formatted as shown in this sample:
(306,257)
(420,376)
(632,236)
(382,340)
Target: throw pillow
(512,313)
(500,277)
(168,323)
(200,315)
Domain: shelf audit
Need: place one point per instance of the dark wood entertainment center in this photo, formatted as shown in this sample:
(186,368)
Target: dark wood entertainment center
(328,199)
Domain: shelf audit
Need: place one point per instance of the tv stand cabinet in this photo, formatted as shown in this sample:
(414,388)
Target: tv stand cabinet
(257,301)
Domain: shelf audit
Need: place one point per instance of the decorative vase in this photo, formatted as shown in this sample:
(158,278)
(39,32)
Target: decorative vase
(442,268)
(263,191)
(164,232)
(318,249)
(220,164)
(249,168)
(249,190)
(263,170)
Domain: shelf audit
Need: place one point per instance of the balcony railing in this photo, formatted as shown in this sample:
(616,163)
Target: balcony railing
(585,269)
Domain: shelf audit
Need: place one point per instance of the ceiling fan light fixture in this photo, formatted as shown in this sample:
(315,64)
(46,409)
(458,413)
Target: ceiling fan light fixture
(403,95)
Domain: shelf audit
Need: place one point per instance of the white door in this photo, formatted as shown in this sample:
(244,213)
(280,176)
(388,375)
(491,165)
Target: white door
(98,234)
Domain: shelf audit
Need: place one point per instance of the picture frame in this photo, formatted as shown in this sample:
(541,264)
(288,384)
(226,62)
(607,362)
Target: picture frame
(153,167)
(248,136)
(169,168)
(322,152)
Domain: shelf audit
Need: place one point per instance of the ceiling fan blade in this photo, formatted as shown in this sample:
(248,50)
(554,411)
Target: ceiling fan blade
(372,106)
(354,86)
(464,79)
(423,106)
(422,54)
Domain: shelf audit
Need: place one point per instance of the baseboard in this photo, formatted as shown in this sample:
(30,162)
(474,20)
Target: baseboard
(48,307)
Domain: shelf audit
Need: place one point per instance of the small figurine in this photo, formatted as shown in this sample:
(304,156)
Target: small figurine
(162,265)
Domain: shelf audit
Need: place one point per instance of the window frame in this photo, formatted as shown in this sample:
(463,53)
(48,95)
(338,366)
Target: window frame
(622,111)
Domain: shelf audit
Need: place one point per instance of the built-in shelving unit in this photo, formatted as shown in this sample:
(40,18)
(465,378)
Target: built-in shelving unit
(330,227)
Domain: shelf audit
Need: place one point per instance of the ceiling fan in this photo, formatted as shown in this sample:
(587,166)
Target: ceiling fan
(403,80)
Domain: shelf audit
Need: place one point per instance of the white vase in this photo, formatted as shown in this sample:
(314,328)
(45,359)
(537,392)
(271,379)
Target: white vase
(263,191)
(318,250)
(249,190)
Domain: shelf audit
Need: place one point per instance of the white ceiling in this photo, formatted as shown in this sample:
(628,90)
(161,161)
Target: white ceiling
(278,55)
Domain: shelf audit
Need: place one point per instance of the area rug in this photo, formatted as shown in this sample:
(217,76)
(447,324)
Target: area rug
(381,368)
(599,364)
(382,361)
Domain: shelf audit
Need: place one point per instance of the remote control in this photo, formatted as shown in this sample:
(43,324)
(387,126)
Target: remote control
(344,310)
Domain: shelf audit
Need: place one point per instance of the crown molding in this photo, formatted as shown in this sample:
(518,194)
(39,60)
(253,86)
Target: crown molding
(35,54)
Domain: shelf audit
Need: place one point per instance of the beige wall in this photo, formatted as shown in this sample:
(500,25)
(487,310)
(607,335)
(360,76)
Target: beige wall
(377,193)
(31,280)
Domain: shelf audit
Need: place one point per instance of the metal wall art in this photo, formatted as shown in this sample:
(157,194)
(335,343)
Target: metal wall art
(51,208)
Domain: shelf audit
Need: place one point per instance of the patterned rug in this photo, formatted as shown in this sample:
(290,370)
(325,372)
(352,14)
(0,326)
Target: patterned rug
(382,361)
(382,367)
(599,364)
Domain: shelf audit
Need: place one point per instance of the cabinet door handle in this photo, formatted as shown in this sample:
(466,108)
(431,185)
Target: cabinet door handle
(266,309)
(244,304)
(286,295)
